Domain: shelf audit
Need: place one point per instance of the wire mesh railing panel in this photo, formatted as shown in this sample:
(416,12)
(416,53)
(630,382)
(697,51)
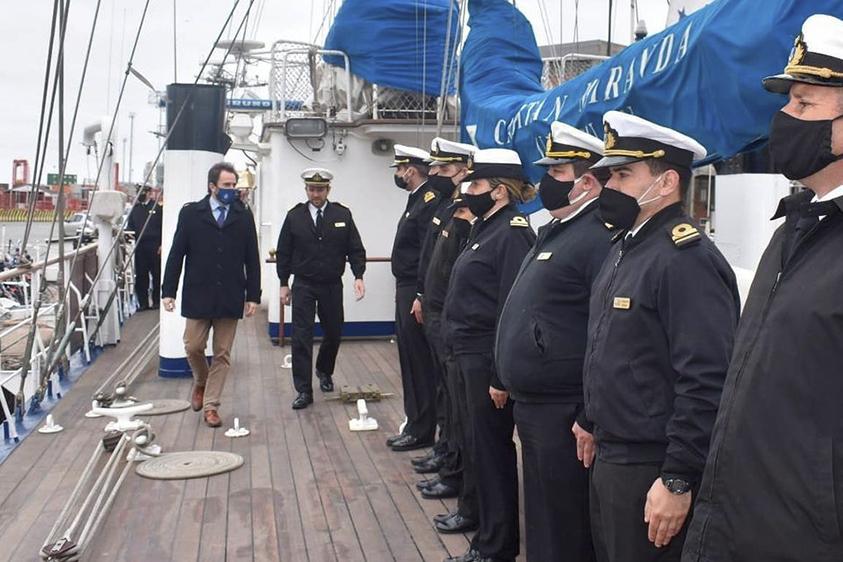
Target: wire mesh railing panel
(558,70)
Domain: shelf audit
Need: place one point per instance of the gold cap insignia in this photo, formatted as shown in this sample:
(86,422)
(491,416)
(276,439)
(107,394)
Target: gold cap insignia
(518,221)
(797,54)
(549,146)
(610,138)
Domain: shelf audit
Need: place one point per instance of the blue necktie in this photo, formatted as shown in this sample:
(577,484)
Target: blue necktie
(221,217)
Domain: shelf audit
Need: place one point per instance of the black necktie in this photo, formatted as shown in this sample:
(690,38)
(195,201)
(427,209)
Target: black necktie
(319,223)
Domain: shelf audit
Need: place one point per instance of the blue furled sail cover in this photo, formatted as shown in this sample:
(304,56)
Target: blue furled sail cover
(701,76)
(395,43)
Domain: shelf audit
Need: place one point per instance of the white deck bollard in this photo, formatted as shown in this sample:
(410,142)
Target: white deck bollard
(364,422)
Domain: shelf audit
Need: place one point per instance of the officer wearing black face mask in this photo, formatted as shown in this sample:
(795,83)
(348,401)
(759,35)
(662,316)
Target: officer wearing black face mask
(773,484)
(662,318)
(480,281)
(145,217)
(447,168)
(540,345)
(417,381)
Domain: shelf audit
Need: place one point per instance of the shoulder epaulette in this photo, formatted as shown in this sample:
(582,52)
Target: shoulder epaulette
(519,221)
(685,234)
(338,204)
(429,196)
(296,206)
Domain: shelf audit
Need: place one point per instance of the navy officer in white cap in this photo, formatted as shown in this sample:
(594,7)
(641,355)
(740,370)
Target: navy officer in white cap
(480,282)
(541,344)
(448,166)
(773,484)
(662,319)
(316,240)
(417,381)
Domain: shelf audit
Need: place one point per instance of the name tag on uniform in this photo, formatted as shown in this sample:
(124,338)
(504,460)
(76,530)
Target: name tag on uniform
(339,224)
(622,303)
(407,214)
(445,233)
(436,221)
(544,256)
(475,246)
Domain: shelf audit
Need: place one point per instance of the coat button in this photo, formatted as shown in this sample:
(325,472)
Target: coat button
(219,249)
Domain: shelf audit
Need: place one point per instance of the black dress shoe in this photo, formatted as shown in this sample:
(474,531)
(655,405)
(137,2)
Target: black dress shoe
(303,400)
(430,467)
(424,484)
(440,491)
(394,438)
(411,443)
(443,516)
(326,383)
(416,461)
(456,524)
(470,556)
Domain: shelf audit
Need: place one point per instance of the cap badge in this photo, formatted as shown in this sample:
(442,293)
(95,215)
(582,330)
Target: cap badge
(797,55)
(549,147)
(611,138)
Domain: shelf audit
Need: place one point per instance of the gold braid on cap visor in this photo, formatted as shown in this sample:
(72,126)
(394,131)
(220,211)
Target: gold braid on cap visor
(568,154)
(634,153)
(812,71)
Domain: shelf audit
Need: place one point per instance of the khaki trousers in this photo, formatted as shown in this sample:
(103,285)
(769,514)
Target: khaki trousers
(195,339)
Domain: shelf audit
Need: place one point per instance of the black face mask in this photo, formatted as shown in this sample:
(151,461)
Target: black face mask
(142,198)
(618,209)
(800,148)
(554,193)
(479,204)
(460,227)
(400,182)
(442,184)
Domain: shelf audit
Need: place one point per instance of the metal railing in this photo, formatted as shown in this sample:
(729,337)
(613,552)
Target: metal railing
(33,283)
(558,70)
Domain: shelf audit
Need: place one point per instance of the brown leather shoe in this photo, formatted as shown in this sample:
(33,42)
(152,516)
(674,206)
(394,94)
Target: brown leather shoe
(212,418)
(197,397)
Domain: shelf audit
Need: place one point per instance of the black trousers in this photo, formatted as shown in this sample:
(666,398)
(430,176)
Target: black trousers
(308,300)
(147,264)
(493,459)
(417,378)
(432,331)
(461,462)
(555,484)
(617,496)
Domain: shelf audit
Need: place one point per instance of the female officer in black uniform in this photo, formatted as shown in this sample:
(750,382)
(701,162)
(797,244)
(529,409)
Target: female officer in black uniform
(480,281)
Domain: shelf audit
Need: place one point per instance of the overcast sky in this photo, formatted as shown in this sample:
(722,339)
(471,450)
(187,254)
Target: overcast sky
(27,30)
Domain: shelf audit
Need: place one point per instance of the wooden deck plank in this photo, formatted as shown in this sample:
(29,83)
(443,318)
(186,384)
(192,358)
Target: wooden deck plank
(310,488)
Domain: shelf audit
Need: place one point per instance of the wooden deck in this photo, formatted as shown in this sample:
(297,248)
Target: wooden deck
(310,490)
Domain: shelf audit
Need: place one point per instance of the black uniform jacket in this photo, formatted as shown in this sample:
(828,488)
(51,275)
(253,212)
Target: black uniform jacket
(773,484)
(541,335)
(138,216)
(481,279)
(221,265)
(411,234)
(661,328)
(449,243)
(441,217)
(319,259)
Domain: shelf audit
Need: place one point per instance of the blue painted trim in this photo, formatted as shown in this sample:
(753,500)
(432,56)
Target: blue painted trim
(175,367)
(349,330)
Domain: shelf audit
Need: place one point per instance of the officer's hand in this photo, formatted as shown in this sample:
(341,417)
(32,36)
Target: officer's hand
(665,512)
(285,295)
(169,304)
(416,311)
(585,445)
(499,397)
(251,308)
(359,289)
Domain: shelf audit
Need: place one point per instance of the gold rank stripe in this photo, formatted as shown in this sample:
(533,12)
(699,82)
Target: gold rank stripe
(622,303)
(518,221)
(428,196)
